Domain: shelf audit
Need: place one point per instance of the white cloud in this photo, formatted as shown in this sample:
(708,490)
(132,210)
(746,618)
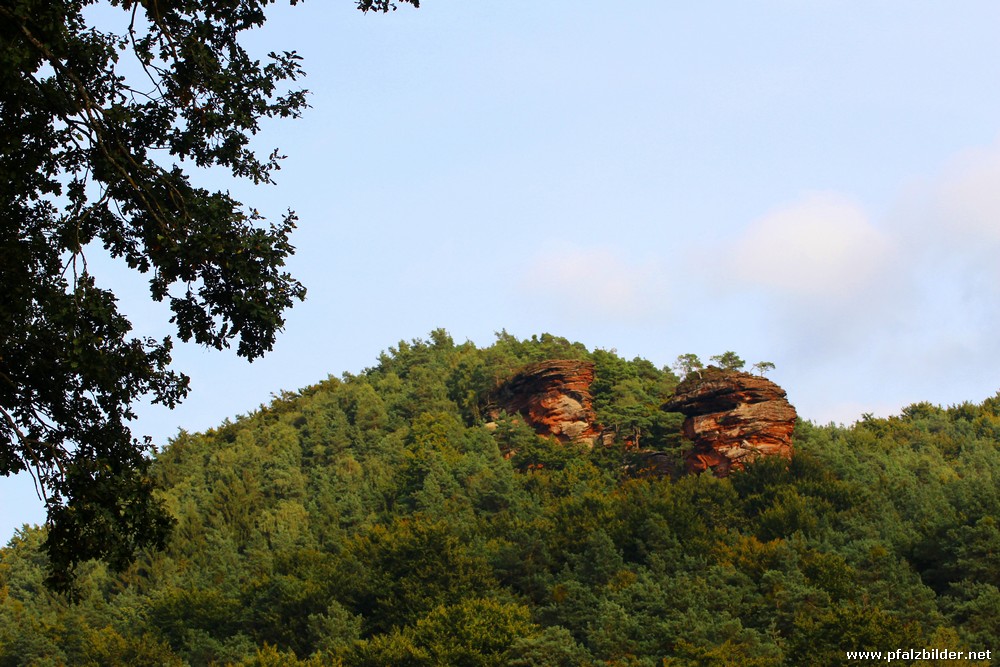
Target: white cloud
(823,245)
(580,283)
(861,312)
(888,310)
(968,196)
(950,227)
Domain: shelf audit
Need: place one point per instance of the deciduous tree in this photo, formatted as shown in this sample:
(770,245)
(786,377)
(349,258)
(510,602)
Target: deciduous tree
(100,133)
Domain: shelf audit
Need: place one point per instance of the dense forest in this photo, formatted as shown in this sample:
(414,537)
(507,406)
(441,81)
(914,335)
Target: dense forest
(388,518)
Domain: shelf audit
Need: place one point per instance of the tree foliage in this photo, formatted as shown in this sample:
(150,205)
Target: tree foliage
(373,519)
(762,367)
(687,364)
(102,131)
(728,360)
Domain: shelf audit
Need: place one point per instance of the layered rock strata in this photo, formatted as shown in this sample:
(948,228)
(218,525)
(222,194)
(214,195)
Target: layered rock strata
(554,398)
(733,418)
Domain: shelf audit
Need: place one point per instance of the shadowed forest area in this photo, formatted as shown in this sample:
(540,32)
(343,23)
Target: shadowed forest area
(385,518)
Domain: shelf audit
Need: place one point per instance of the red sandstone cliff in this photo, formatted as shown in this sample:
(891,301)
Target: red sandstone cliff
(554,398)
(732,418)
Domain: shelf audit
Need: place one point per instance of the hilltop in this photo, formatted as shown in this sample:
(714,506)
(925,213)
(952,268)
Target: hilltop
(453,505)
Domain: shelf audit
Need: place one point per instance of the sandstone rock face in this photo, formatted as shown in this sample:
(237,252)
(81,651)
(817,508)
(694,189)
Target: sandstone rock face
(733,418)
(554,398)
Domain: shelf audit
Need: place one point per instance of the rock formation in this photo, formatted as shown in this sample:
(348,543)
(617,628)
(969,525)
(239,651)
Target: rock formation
(732,418)
(554,398)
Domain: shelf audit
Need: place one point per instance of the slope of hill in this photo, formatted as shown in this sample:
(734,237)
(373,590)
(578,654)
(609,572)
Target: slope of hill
(390,518)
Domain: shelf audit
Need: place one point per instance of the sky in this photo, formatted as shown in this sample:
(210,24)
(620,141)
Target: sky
(812,184)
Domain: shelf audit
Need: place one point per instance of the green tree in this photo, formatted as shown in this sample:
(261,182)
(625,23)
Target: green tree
(477,632)
(687,364)
(553,646)
(762,367)
(728,360)
(96,125)
(339,526)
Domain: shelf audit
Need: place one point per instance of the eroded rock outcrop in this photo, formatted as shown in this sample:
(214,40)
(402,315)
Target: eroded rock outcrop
(733,418)
(554,398)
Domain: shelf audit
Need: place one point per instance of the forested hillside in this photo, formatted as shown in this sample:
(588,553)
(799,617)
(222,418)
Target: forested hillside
(386,518)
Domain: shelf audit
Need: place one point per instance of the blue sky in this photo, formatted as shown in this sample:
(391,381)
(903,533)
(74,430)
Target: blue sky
(813,184)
